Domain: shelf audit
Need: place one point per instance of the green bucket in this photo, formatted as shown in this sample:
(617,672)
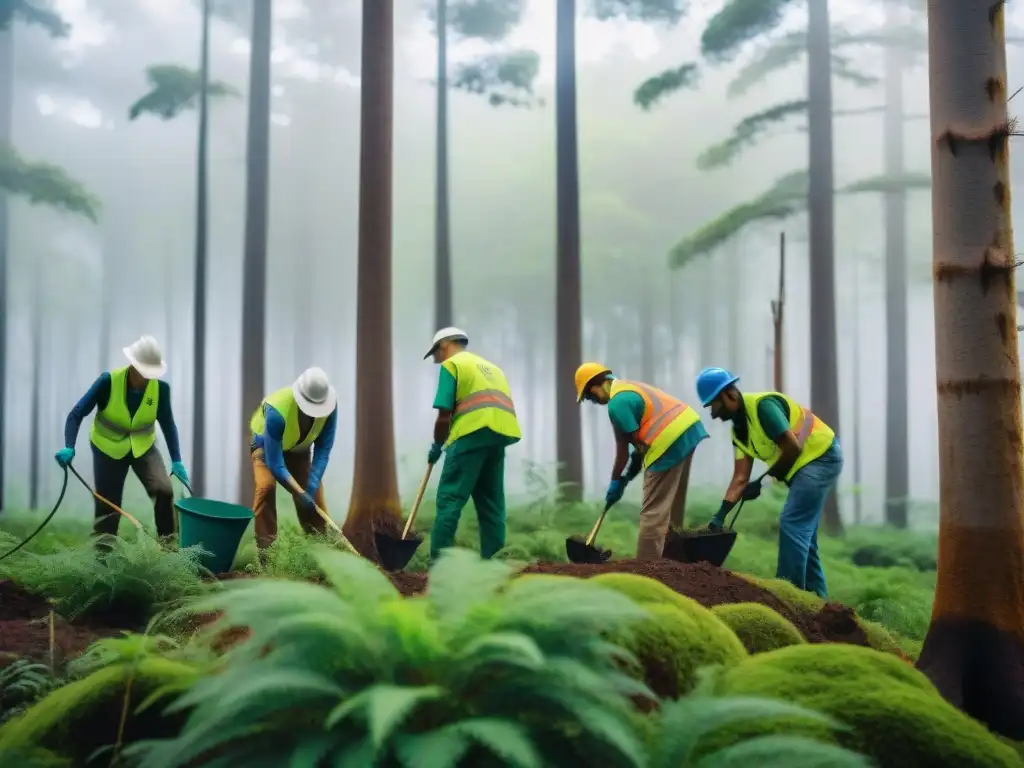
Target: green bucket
(216,526)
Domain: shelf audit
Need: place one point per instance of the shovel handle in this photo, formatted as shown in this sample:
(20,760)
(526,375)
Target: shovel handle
(742,500)
(597,526)
(419,500)
(108,502)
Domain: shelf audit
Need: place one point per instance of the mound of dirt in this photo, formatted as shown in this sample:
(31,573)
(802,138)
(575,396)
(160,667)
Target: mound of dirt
(25,628)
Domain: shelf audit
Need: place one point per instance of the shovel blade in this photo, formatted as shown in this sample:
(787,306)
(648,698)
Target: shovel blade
(395,553)
(699,546)
(577,550)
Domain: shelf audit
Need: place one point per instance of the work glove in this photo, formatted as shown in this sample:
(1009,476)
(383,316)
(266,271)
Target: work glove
(718,521)
(615,490)
(305,500)
(434,454)
(64,457)
(636,463)
(752,490)
(178,471)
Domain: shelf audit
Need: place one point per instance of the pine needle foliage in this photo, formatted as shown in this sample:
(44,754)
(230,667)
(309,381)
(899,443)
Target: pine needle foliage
(175,89)
(490,20)
(748,131)
(130,580)
(483,670)
(652,11)
(654,89)
(738,22)
(505,78)
(45,184)
(33,13)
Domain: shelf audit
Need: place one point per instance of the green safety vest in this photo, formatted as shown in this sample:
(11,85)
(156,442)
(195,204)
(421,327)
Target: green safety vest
(482,398)
(283,401)
(114,430)
(814,436)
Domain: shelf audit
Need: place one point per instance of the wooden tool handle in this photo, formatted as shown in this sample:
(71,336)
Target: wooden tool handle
(419,499)
(108,502)
(327,519)
(597,526)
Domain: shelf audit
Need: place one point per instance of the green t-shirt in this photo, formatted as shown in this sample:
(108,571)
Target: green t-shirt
(444,400)
(772,413)
(626,410)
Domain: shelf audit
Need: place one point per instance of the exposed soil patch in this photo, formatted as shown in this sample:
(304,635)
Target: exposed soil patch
(25,628)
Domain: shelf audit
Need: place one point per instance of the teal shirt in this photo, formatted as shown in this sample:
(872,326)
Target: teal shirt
(444,400)
(626,410)
(773,415)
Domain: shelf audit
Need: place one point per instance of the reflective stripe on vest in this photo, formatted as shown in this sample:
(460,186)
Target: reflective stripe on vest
(142,429)
(485,398)
(661,411)
(115,431)
(813,436)
(482,398)
(283,401)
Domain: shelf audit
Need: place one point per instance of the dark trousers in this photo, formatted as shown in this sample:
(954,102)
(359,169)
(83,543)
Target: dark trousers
(109,476)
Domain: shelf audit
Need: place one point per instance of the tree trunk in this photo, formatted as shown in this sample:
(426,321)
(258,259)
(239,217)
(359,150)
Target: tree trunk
(199,299)
(375,504)
(254,268)
(443,316)
(6,125)
(568,330)
(37,382)
(897,470)
(645,319)
(974,649)
(824,366)
(855,432)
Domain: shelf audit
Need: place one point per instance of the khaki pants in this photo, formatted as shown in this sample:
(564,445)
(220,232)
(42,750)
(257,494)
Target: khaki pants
(664,502)
(264,506)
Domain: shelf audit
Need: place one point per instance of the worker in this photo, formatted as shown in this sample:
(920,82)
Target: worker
(799,449)
(285,426)
(664,433)
(129,402)
(476,422)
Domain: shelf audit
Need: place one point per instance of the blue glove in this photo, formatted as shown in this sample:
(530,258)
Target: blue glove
(718,521)
(752,490)
(615,490)
(64,457)
(434,454)
(178,471)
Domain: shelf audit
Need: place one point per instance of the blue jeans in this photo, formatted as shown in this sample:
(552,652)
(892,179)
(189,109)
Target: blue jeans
(799,562)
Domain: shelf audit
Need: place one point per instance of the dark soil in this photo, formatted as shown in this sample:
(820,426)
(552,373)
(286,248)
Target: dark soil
(25,628)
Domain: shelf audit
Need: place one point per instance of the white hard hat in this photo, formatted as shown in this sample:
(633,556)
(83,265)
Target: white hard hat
(451,332)
(314,394)
(146,357)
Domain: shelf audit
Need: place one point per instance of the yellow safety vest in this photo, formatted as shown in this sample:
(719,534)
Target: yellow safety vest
(283,401)
(812,434)
(114,430)
(482,398)
(664,420)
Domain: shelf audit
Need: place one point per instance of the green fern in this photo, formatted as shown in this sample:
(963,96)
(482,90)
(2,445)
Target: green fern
(485,669)
(22,683)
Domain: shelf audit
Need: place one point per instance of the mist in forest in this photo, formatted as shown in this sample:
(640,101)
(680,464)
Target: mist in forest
(96,287)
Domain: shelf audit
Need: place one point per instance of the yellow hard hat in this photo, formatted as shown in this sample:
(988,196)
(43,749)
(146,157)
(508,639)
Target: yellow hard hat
(586,374)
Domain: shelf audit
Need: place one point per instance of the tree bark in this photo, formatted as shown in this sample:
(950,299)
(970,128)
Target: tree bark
(824,366)
(443,316)
(568,330)
(199,283)
(897,470)
(375,503)
(254,268)
(6,113)
(974,649)
(37,383)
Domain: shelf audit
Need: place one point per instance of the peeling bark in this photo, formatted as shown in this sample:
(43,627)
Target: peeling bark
(974,650)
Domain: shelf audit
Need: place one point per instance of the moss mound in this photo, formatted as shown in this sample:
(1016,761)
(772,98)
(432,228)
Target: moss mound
(758,627)
(680,637)
(894,715)
(79,718)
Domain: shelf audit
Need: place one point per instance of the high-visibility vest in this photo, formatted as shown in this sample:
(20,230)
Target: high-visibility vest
(115,431)
(665,418)
(283,401)
(812,434)
(482,398)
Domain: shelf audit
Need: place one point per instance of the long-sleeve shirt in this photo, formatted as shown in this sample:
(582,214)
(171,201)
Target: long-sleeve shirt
(98,396)
(271,441)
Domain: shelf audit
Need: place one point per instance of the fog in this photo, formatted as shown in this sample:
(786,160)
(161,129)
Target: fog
(103,285)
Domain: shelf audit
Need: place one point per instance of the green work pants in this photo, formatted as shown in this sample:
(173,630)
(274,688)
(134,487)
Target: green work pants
(478,473)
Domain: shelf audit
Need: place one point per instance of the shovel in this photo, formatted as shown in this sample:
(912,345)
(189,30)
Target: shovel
(394,553)
(703,545)
(579,550)
(330,524)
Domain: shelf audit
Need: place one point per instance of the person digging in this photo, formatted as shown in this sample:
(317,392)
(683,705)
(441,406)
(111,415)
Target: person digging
(129,403)
(664,433)
(292,437)
(476,422)
(800,451)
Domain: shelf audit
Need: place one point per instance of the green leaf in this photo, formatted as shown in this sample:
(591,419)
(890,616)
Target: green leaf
(355,580)
(175,89)
(443,748)
(507,741)
(386,707)
(784,752)
(49,185)
(738,22)
(747,132)
(460,580)
(656,88)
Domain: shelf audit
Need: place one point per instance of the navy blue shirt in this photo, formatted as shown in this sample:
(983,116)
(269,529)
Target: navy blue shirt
(271,441)
(98,396)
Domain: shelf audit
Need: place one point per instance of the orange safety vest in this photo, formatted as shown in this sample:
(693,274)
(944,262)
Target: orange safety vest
(665,418)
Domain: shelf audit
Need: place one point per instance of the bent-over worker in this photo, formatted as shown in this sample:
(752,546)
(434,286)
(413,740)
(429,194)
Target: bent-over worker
(799,449)
(129,402)
(476,422)
(285,426)
(664,433)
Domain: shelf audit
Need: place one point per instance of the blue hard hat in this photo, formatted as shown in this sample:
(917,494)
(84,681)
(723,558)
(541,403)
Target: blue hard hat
(711,382)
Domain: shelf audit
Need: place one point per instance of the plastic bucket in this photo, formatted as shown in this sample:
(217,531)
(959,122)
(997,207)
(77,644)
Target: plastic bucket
(216,526)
